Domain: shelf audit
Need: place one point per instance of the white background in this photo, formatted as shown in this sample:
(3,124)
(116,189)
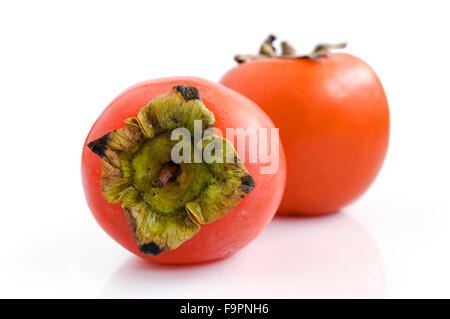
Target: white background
(62,62)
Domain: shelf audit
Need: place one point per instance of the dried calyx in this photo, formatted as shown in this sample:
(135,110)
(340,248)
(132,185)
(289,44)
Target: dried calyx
(165,202)
(268,50)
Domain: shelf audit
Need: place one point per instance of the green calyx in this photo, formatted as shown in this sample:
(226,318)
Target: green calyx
(164,201)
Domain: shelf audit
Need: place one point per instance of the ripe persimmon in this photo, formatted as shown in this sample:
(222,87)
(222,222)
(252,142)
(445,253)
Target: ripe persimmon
(173,212)
(333,117)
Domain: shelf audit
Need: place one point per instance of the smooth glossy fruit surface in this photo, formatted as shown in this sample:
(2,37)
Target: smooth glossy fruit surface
(333,118)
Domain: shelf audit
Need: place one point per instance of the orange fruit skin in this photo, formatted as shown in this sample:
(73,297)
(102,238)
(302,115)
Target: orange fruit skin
(334,123)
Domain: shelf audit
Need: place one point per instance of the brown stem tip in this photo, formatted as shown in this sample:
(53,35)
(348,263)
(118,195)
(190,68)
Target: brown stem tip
(169,173)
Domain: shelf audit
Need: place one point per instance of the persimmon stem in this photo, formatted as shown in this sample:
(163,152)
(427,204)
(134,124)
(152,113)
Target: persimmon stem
(169,173)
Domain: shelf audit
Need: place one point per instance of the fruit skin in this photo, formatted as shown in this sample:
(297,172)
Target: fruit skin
(213,241)
(333,118)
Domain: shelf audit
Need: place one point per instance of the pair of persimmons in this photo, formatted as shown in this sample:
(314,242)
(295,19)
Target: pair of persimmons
(333,120)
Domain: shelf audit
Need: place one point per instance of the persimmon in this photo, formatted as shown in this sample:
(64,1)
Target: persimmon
(333,117)
(172,211)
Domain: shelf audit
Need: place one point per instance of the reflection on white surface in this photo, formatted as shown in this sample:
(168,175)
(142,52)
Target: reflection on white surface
(294,257)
